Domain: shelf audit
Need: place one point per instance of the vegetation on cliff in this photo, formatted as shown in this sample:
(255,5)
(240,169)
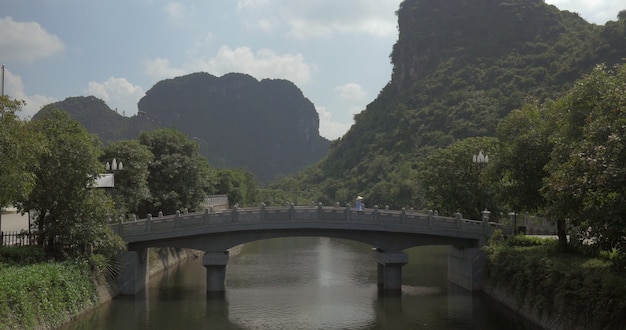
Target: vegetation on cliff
(458,69)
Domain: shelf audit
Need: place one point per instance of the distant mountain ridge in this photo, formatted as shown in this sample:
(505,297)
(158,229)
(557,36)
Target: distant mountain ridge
(267,127)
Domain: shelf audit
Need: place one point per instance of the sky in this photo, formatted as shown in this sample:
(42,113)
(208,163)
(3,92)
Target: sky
(335,51)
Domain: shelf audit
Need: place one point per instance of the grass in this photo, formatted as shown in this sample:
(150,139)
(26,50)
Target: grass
(35,293)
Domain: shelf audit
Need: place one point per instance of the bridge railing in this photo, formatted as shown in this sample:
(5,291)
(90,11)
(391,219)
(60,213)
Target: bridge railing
(426,222)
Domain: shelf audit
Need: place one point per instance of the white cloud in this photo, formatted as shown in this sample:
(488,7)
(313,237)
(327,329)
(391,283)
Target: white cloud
(161,68)
(320,18)
(118,93)
(328,128)
(351,91)
(596,11)
(26,41)
(201,45)
(14,88)
(264,63)
(176,11)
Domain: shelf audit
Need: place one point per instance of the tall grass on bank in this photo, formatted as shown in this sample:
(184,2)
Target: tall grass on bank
(43,295)
(574,289)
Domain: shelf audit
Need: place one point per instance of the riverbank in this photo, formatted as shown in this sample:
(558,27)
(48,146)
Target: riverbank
(35,294)
(555,290)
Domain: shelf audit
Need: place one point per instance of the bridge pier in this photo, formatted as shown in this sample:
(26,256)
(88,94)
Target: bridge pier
(465,267)
(215,264)
(390,269)
(134,275)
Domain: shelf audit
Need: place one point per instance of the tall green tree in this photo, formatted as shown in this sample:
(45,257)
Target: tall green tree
(19,146)
(131,182)
(62,197)
(239,185)
(525,149)
(588,164)
(179,177)
(452,182)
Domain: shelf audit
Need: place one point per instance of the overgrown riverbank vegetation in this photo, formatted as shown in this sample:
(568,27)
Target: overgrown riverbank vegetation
(38,294)
(576,289)
(49,167)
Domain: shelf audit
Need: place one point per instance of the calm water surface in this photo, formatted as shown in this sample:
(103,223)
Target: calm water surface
(305,283)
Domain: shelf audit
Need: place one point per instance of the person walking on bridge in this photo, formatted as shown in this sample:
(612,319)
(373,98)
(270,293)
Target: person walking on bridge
(359,203)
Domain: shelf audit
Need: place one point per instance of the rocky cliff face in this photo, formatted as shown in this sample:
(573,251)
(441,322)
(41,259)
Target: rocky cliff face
(267,126)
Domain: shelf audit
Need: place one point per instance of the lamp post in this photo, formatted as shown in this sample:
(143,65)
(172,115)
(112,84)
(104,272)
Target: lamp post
(2,79)
(113,167)
(481,160)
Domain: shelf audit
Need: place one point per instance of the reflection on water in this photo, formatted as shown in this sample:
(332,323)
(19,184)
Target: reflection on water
(304,283)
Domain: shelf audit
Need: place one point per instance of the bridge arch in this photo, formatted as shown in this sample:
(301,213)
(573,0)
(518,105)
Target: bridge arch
(388,232)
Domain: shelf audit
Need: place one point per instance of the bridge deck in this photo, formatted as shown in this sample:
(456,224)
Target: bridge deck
(315,217)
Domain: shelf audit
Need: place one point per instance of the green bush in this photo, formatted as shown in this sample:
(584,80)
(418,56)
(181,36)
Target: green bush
(23,255)
(575,289)
(44,294)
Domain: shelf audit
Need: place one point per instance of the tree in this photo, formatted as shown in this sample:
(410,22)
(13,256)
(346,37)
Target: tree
(524,152)
(239,185)
(588,164)
(131,183)
(179,177)
(61,198)
(19,145)
(452,183)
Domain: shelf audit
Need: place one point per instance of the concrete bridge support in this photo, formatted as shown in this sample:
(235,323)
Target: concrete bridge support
(465,267)
(134,275)
(390,269)
(215,264)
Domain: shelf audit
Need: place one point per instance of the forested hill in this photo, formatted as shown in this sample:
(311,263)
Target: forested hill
(458,68)
(267,127)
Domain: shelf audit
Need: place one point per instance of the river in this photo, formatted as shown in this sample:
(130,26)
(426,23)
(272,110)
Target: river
(305,283)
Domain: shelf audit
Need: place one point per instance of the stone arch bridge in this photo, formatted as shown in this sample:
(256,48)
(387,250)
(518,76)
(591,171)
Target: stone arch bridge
(388,232)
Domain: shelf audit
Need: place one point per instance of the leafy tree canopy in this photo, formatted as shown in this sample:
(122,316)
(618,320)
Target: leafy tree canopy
(62,198)
(19,145)
(179,177)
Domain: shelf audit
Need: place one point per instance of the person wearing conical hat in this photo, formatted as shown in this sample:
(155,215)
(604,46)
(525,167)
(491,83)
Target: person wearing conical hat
(359,203)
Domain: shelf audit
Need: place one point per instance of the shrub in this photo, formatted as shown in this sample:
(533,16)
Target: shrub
(23,255)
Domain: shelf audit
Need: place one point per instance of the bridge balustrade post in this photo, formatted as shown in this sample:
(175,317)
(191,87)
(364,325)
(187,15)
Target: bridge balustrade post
(119,227)
(390,269)
(235,213)
(215,264)
(292,212)
(177,219)
(375,214)
(486,215)
(320,211)
(347,212)
(207,215)
(160,214)
(457,220)
(430,219)
(149,222)
(403,216)
(263,213)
